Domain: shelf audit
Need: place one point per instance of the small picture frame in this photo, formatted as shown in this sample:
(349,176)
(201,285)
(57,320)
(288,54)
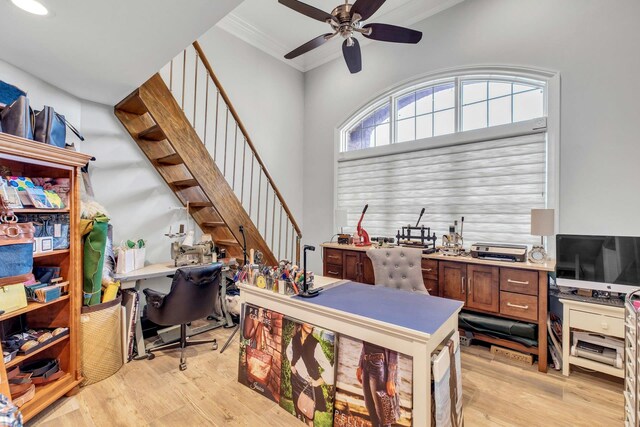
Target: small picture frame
(11,195)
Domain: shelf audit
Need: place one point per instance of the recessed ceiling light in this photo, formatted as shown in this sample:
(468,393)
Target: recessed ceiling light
(31,6)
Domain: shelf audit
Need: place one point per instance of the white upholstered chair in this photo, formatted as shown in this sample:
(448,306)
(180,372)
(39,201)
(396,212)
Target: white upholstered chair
(398,268)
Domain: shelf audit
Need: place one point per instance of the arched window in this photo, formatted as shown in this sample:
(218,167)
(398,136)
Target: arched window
(472,143)
(442,107)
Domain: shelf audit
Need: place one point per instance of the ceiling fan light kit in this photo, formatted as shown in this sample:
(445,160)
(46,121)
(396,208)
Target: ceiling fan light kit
(346,20)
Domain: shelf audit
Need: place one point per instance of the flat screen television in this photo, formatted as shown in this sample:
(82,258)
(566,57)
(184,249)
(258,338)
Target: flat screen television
(604,263)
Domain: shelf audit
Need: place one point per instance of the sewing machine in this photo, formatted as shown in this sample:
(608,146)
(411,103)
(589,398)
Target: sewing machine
(197,254)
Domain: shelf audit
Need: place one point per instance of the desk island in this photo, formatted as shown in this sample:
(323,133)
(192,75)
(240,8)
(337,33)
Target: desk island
(406,322)
(511,290)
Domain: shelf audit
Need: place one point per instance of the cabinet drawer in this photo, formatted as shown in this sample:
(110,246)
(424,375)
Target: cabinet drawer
(334,271)
(333,256)
(430,269)
(431,286)
(598,323)
(518,305)
(519,281)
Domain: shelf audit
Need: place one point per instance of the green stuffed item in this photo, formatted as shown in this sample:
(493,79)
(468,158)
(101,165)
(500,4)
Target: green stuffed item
(93,261)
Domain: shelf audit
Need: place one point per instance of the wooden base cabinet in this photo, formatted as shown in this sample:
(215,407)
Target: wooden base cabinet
(348,265)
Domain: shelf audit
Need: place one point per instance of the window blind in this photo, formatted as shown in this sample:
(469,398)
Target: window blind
(494,184)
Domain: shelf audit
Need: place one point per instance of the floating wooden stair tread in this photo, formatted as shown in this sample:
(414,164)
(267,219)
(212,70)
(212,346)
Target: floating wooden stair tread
(171,159)
(132,104)
(202,204)
(186,183)
(225,242)
(213,224)
(154,133)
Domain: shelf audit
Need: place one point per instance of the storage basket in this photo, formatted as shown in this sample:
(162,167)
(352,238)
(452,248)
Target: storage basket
(100,341)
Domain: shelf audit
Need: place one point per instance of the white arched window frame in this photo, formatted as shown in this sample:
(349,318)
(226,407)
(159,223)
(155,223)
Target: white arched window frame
(549,121)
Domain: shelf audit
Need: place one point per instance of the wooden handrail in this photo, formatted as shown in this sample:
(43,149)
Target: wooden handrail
(236,117)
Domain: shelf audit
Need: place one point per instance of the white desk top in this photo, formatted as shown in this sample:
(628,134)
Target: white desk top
(148,272)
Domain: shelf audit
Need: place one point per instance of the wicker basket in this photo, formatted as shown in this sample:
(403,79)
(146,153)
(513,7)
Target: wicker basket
(100,341)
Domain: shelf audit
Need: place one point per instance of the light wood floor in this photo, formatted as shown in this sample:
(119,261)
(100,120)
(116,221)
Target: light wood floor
(157,393)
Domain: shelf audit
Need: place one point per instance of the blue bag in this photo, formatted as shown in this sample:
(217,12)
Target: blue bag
(16,260)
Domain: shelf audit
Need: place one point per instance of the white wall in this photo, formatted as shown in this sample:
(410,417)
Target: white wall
(592,43)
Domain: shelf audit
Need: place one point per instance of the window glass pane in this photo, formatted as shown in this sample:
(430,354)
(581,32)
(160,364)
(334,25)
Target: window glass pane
(517,88)
(406,106)
(497,89)
(382,135)
(500,111)
(424,101)
(473,92)
(528,105)
(444,96)
(406,130)
(354,140)
(370,120)
(368,137)
(474,116)
(383,114)
(444,122)
(424,126)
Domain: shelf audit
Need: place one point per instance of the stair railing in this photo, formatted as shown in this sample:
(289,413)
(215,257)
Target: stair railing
(205,103)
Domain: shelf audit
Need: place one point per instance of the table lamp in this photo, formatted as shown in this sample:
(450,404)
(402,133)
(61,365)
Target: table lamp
(542,224)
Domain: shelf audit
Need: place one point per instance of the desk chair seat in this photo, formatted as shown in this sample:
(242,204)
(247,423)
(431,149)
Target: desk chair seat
(398,268)
(193,295)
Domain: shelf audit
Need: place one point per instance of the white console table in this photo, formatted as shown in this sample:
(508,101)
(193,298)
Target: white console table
(598,318)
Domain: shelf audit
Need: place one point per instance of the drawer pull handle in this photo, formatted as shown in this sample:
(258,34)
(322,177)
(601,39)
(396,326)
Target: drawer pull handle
(517,282)
(462,288)
(524,307)
(427,269)
(605,325)
(333,272)
(333,256)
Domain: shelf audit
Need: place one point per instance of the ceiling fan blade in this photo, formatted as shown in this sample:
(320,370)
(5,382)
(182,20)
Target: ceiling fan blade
(311,44)
(391,33)
(352,55)
(366,8)
(307,10)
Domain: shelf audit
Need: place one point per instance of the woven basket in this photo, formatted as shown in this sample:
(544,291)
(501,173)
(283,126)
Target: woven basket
(100,341)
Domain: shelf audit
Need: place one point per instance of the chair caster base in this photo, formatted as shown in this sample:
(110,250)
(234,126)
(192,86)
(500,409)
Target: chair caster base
(215,346)
(151,356)
(183,366)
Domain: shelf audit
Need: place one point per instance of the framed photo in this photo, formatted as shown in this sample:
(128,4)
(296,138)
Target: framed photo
(11,196)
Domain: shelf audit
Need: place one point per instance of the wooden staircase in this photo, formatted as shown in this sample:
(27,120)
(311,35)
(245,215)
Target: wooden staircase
(217,188)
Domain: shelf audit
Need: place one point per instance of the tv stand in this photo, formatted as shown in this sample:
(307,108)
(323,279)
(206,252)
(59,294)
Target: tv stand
(590,317)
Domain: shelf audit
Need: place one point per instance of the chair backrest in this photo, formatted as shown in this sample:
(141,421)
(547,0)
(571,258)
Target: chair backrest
(398,268)
(193,295)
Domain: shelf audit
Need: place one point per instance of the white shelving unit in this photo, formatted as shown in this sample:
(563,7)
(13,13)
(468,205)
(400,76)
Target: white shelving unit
(631,341)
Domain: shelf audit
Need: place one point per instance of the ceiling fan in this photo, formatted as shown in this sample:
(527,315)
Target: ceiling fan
(346,20)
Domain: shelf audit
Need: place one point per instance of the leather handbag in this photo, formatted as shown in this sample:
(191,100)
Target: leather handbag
(258,365)
(17,118)
(16,243)
(51,128)
(306,401)
(386,405)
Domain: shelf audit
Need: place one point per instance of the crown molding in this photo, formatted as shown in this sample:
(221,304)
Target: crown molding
(411,12)
(257,38)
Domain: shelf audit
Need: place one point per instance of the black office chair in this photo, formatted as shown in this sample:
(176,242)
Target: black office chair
(193,295)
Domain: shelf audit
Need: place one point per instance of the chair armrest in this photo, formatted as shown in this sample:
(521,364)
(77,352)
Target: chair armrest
(154,298)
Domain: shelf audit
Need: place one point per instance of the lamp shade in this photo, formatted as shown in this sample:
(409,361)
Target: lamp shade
(542,222)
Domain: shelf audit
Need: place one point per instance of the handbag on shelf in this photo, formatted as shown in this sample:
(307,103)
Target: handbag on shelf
(16,243)
(51,128)
(307,402)
(17,118)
